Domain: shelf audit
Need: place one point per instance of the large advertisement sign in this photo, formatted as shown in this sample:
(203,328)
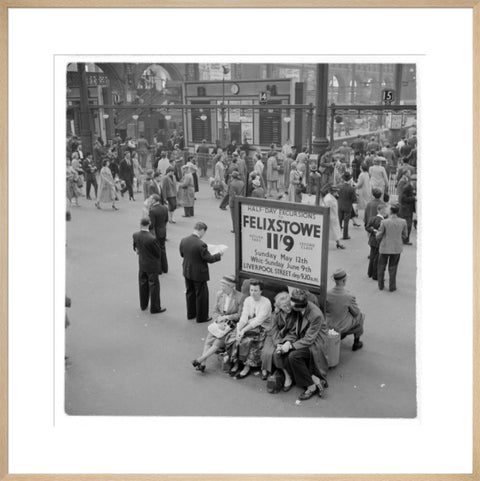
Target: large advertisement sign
(283,241)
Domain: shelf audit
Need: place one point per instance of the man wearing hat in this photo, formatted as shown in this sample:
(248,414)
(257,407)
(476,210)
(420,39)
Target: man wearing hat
(302,358)
(235,188)
(343,313)
(346,198)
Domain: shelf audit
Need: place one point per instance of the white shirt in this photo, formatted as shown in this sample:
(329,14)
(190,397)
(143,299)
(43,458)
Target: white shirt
(254,313)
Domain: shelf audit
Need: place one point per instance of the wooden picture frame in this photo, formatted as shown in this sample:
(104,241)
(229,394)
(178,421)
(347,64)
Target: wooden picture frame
(467,4)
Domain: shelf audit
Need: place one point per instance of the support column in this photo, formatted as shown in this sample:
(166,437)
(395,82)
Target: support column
(85,120)
(398,82)
(320,142)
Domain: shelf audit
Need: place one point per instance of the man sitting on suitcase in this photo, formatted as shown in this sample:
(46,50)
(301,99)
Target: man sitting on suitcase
(302,357)
(343,313)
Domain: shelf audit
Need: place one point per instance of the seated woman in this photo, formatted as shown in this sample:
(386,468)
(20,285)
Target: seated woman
(226,312)
(301,356)
(244,344)
(279,332)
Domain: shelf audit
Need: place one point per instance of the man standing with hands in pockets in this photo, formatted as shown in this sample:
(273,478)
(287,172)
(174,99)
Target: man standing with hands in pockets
(196,258)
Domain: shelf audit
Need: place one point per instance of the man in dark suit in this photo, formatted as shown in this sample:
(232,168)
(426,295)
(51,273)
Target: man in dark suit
(155,187)
(149,267)
(126,173)
(371,208)
(195,270)
(235,188)
(372,229)
(391,234)
(158,227)
(346,198)
(407,208)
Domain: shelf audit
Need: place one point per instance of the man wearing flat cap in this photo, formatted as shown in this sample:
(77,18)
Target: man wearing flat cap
(302,357)
(343,313)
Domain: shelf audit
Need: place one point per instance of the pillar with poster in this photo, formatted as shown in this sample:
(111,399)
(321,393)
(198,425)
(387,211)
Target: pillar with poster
(283,244)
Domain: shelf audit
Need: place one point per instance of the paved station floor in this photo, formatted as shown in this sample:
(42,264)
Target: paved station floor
(123,361)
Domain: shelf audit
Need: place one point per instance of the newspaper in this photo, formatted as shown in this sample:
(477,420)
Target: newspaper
(217,249)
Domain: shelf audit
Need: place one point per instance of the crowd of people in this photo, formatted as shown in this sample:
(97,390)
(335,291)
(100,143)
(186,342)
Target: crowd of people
(284,335)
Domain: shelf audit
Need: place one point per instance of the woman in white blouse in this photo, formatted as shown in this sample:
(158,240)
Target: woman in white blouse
(244,344)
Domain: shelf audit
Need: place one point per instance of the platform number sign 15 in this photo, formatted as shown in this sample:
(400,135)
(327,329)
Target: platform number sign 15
(388,96)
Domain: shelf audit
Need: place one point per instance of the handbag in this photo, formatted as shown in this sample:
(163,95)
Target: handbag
(301,189)
(216,330)
(275,381)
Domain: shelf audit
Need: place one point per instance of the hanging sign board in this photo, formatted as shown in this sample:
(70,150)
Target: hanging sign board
(282,243)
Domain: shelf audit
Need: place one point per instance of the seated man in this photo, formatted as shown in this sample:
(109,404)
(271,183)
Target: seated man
(343,314)
(226,314)
(302,356)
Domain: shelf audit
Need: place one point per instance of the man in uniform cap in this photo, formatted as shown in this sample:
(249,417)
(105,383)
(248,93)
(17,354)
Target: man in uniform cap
(343,313)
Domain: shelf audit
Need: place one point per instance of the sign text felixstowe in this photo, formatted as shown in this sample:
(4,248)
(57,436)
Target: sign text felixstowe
(284,243)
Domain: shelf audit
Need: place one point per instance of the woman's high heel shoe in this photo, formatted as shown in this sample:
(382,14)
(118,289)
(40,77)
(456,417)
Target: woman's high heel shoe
(97,205)
(340,246)
(114,208)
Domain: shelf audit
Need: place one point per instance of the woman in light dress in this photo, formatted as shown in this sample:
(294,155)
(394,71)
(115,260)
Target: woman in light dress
(72,184)
(107,186)
(363,187)
(295,181)
(329,200)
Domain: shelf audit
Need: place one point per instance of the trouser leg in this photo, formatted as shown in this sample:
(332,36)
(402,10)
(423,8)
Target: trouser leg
(154,286)
(130,188)
(201,291)
(224,202)
(299,367)
(370,271)
(190,298)
(95,186)
(163,255)
(382,264)
(346,221)
(143,289)
(409,227)
(392,270)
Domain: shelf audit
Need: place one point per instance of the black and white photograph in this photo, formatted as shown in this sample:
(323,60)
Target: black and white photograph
(241,239)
